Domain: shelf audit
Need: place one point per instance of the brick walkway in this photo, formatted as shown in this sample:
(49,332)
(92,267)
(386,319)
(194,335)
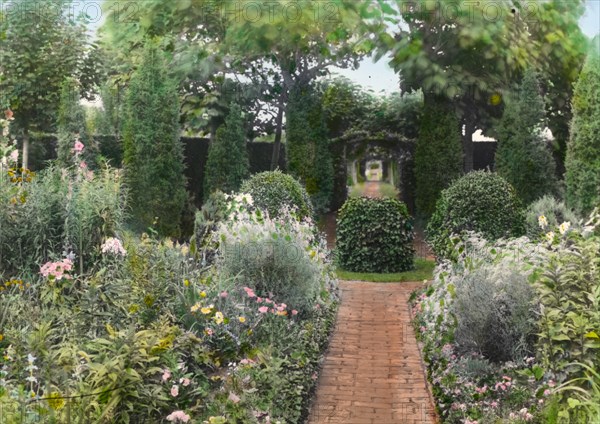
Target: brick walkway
(373,372)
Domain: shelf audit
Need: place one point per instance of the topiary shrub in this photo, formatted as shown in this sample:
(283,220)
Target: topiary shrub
(374,235)
(272,190)
(555,212)
(480,201)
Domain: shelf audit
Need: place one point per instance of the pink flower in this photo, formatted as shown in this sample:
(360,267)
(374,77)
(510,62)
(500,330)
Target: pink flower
(57,270)
(283,305)
(78,147)
(166,375)
(176,416)
(494,404)
(294,312)
(263,309)
(551,383)
(506,378)
(268,300)
(14,156)
(259,299)
(249,292)
(208,332)
(547,392)
(114,246)
(175,391)
(223,294)
(185,381)
(83,165)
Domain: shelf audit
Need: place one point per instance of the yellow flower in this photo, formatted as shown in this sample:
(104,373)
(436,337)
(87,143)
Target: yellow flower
(219,317)
(186,283)
(195,307)
(550,236)
(207,309)
(202,294)
(564,227)
(1,337)
(56,401)
(542,221)
(240,319)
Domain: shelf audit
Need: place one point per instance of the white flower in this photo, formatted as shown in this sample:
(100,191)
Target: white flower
(550,236)
(31,359)
(564,227)
(31,379)
(14,156)
(113,245)
(542,221)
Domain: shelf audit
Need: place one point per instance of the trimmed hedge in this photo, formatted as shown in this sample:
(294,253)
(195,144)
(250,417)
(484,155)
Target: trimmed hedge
(272,190)
(374,235)
(480,201)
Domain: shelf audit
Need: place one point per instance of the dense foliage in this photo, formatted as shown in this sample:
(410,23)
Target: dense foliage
(438,156)
(523,156)
(508,321)
(153,155)
(147,332)
(71,125)
(554,213)
(374,235)
(479,201)
(272,191)
(307,146)
(227,164)
(583,153)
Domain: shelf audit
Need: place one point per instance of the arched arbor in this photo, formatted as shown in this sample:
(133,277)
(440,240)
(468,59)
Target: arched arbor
(352,151)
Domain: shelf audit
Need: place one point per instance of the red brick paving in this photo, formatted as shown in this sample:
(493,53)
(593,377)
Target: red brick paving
(373,372)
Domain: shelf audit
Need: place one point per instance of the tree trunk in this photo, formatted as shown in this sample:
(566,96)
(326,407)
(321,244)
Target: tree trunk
(277,143)
(25,164)
(468,147)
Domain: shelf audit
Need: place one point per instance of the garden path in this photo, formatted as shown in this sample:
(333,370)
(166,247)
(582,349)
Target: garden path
(373,372)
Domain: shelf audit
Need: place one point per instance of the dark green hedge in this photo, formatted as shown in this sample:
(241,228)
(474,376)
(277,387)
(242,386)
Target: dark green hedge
(374,235)
(480,201)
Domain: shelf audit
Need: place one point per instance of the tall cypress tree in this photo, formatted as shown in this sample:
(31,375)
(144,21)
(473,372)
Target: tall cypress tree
(227,165)
(523,156)
(71,124)
(307,146)
(153,154)
(438,155)
(583,150)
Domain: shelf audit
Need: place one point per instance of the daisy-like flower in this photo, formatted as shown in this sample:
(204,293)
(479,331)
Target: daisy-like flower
(564,227)
(550,236)
(542,221)
(242,319)
(219,317)
(207,309)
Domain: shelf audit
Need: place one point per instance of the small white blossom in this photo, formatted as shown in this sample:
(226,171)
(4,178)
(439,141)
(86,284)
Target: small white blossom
(564,227)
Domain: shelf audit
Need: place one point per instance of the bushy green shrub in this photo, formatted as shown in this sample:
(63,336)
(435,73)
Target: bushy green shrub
(480,201)
(307,146)
(583,150)
(374,235)
(207,219)
(271,191)
(153,154)
(227,164)
(276,257)
(523,156)
(555,213)
(494,311)
(438,156)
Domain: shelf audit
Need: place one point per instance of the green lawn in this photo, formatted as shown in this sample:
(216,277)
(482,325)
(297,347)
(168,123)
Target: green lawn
(423,271)
(386,190)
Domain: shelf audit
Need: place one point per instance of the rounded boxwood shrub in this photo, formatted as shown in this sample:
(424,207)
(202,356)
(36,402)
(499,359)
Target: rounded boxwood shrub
(272,190)
(374,235)
(480,201)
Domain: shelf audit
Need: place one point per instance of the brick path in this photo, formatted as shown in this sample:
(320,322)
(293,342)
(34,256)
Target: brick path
(373,372)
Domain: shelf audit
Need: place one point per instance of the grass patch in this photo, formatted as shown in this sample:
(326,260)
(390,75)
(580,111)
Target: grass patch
(423,271)
(386,190)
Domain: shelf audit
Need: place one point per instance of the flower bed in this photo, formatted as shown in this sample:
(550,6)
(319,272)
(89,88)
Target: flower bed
(510,329)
